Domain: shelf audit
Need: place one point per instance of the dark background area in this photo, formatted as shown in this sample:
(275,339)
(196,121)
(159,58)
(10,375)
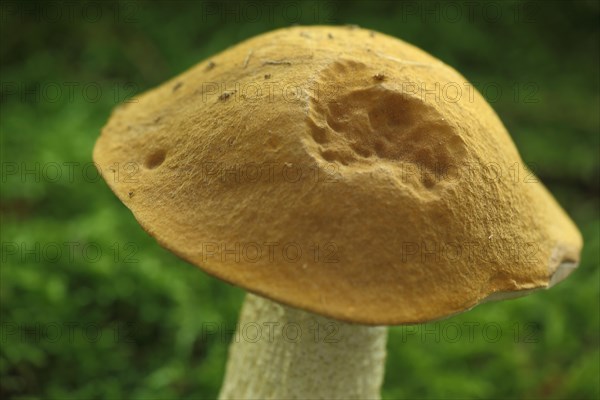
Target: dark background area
(92,308)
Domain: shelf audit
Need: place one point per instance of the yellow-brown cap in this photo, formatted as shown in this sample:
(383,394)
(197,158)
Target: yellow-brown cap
(341,171)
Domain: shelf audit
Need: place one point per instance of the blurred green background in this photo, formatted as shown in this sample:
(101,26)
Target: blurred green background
(127,323)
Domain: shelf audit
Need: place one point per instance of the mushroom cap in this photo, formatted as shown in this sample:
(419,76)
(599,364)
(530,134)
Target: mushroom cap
(341,171)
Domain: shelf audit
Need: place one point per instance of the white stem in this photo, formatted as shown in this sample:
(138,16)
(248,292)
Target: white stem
(281,352)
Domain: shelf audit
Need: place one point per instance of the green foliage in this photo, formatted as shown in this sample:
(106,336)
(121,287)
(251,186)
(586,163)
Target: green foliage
(129,323)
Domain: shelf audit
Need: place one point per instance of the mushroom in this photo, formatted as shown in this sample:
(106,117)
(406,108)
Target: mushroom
(362,185)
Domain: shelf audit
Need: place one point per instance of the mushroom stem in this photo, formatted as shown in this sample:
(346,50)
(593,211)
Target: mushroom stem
(280,352)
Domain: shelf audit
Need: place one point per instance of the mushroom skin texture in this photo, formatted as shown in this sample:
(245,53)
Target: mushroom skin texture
(403,200)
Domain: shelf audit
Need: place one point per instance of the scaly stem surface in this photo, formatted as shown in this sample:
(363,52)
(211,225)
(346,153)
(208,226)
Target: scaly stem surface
(281,352)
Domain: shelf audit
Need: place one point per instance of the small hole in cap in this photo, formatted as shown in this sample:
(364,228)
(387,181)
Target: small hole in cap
(155,159)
